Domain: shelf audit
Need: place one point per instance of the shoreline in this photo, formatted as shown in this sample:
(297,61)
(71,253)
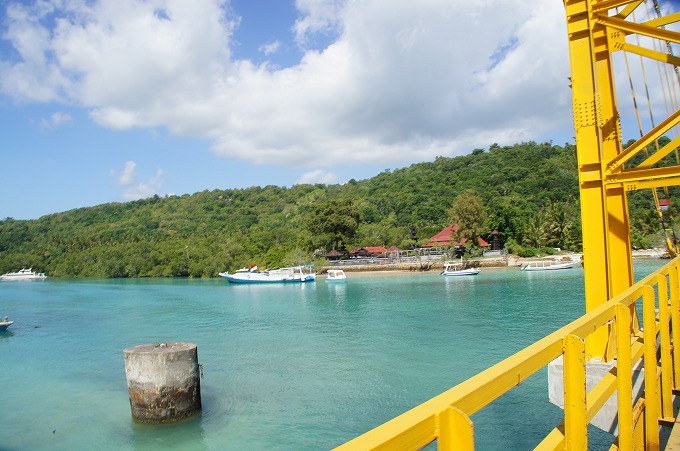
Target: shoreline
(508,261)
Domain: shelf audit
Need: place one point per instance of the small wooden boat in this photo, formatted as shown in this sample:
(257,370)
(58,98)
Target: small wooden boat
(458,269)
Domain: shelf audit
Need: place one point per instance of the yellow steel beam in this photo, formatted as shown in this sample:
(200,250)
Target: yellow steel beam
(575,407)
(674,282)
(554,440)
(628,10)
(638,28)
(455,431)
(651,54)
(624,376)
(660,154)
(604,212)
(665,349)
(616,163)
(651,379)
(633,179)
(596,30)
(606,5)
(663,21)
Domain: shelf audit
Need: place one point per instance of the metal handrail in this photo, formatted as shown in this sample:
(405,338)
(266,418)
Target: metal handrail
(446,417)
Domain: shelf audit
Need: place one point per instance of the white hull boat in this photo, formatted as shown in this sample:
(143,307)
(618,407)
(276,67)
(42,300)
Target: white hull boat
(22,275)
(458,269)
(547,265)
(294,274)
(336,275)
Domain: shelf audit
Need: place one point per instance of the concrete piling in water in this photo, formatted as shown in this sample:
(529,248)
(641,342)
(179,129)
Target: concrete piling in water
(163,381)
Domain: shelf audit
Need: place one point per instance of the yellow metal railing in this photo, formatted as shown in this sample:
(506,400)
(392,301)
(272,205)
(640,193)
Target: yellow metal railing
(445,419)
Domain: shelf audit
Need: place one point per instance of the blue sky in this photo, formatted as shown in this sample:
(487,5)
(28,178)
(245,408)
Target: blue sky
(110,101)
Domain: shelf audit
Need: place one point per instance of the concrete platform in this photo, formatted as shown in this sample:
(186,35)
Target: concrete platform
(673,443)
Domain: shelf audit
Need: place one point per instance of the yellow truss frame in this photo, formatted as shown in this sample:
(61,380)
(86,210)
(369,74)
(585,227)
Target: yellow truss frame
(610,325)
(596,30)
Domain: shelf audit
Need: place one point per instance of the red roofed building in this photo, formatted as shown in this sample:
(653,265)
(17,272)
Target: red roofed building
(482,242)
(376,249)
(445,239)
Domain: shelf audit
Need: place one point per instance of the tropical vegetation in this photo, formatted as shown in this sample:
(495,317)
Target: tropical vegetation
(527,192)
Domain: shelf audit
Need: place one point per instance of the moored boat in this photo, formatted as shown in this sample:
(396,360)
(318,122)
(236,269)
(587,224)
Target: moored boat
(458,269)
(293,274)
(336,275)
(547,265)
(23,274)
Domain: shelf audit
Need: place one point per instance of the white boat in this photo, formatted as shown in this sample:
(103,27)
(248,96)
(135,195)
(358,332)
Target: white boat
(24,274)
(547,265)
(294,274)
(458,269)
(336,275)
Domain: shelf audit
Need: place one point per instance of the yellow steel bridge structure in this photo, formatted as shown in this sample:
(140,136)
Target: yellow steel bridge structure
(599,31)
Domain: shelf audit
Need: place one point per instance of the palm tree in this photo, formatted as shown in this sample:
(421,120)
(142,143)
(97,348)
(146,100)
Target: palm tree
(535,235)
(558,225)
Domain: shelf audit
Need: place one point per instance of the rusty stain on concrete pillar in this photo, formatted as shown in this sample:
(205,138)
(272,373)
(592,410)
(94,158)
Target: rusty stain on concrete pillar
(163,381)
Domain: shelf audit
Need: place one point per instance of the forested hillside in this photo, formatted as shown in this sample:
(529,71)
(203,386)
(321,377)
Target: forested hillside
(528,192)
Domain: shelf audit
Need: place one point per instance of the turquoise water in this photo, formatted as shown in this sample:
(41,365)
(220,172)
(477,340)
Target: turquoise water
(287,367)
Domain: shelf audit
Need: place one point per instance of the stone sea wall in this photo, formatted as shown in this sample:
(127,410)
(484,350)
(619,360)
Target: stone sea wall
(481,262)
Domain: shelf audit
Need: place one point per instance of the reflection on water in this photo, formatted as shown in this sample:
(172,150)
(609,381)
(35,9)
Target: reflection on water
(338,290)
(6,334)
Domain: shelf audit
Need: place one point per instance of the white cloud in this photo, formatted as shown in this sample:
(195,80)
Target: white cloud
(317,176)
(55,120)
(129,174)
(316,16)
(133,189)
(401,81)
(270,48)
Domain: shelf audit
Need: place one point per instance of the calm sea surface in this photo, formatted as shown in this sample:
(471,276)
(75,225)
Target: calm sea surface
(304,367)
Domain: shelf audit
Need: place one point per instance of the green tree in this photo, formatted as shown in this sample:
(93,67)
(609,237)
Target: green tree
(334,222)
(469,213)
(510,216)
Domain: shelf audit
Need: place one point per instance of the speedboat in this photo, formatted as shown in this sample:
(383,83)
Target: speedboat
(336,275)
(23,274)
(294,274)
(547,265)
(5,323)
(458,269)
